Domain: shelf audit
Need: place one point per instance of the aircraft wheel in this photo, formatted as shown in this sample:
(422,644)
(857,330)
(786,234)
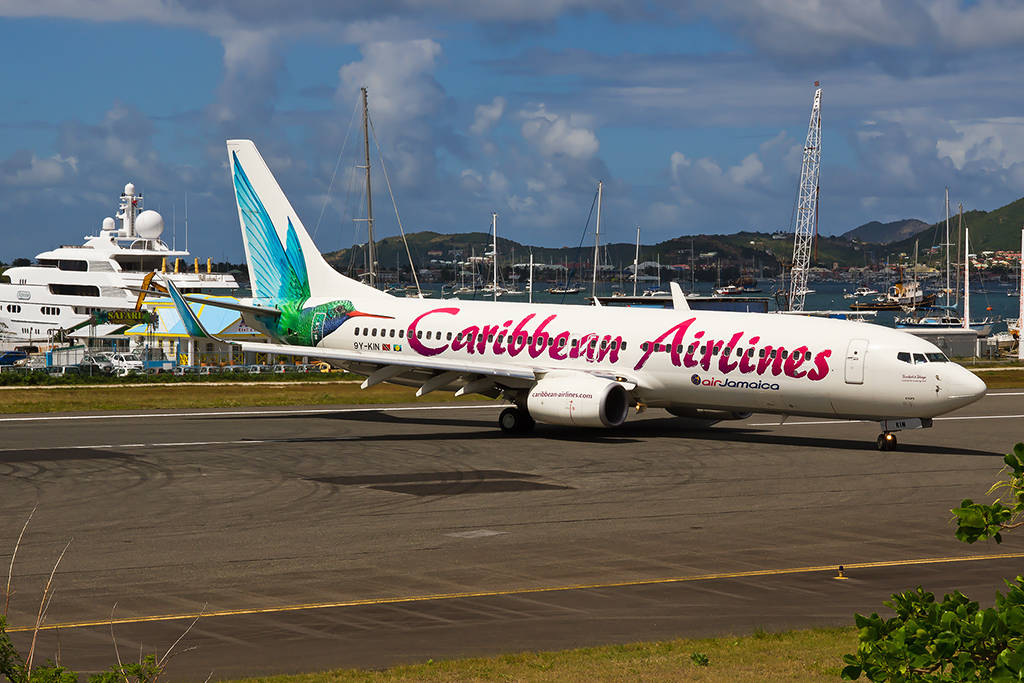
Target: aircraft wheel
(887,441)
(515,421)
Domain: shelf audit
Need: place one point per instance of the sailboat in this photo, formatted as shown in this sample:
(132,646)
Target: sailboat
(947,317)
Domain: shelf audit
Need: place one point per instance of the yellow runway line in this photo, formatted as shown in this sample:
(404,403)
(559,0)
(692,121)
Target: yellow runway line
(520,591)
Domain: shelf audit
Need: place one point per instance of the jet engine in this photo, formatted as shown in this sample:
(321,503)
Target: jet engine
(578,400)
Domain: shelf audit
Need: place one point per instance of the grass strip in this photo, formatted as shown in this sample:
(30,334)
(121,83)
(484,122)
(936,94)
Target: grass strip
(1005,379)
(167,396)
(805,655)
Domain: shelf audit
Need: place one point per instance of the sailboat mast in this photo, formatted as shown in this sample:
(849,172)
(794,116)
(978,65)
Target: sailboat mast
(371,248)
(1020,296)
(636,260)
(948,292)
(531,276)
(494,257)
(967,278)
(597,240)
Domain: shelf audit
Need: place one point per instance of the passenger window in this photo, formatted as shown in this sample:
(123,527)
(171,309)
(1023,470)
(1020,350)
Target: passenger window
(357,331)
(715,349)
(623,347)
(783,353)
(392,333)
(563,341)
(807,355)
(643,346)
(401,334)
(693,347)
(449,336)
(490,338)
(919,358)
(419,334)
(679,348)
(761,353)
(593,343)
(903,356)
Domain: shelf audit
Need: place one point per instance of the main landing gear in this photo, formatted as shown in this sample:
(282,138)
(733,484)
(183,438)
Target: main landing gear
(516,421)
(887,441)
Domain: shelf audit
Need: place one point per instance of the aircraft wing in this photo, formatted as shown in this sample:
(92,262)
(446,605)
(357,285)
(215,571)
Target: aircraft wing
(478,375)
(383,358)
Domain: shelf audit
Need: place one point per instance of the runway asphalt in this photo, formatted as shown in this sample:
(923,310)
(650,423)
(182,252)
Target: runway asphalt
(367,537)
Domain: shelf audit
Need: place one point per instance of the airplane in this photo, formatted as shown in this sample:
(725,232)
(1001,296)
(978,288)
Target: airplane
(577,365)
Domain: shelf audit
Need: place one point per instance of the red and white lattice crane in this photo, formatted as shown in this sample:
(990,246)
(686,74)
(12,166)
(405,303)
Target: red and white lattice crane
(806,223)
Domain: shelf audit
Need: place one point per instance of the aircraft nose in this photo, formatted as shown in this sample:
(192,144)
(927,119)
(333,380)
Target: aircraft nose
(967,387)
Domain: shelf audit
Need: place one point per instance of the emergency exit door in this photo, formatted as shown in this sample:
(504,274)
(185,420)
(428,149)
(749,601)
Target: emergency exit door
(855,356)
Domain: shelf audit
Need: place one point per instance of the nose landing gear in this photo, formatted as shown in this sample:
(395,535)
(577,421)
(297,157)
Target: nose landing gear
(887,441)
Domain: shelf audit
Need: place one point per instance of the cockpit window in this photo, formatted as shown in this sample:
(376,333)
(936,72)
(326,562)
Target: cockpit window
(903,356)
(937,357)
(919,358)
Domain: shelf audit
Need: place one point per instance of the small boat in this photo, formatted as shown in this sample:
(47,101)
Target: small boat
(860,293)
(902,295)
(946,320)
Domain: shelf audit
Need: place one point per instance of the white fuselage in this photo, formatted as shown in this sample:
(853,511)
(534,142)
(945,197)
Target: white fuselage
(677,359)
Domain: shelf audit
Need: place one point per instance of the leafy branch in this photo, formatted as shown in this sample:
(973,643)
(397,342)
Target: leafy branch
(978,521)
(953,640)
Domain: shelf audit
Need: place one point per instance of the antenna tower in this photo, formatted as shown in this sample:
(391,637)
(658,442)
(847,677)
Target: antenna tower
(807,208)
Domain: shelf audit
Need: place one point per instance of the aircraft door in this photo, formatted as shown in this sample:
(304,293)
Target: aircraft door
(855,356)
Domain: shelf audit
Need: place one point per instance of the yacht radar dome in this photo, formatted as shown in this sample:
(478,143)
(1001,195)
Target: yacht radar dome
(129,189)
(149,225)
(109,225)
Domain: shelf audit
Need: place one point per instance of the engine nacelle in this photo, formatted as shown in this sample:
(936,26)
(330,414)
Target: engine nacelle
(579,400)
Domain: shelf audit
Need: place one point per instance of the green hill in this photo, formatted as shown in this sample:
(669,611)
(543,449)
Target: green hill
(994,230)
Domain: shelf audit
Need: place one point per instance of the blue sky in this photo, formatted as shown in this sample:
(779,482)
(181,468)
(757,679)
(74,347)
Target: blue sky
(692,113)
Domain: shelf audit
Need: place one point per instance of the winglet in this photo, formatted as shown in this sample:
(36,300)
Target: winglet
(187,315)
(679,301)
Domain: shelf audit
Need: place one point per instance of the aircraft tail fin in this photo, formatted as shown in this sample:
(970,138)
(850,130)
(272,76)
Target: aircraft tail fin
(284,263)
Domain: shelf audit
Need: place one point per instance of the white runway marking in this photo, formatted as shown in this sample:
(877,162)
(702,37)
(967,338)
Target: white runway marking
(832,422)
(235,413)
(240,442)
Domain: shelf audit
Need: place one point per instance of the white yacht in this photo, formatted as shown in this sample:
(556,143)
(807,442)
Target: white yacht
(67,285)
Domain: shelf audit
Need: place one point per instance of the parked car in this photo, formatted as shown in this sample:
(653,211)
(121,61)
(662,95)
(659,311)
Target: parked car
(282,369)
(126,364)
(63,370)
(210,370)
(184,370)
(96,363)
(258,369)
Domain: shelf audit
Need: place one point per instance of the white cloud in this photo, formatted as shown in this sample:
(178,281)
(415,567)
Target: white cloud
(747,170)
(25,169)
(997,141)
(555,135)
(486,115)
(398,77)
